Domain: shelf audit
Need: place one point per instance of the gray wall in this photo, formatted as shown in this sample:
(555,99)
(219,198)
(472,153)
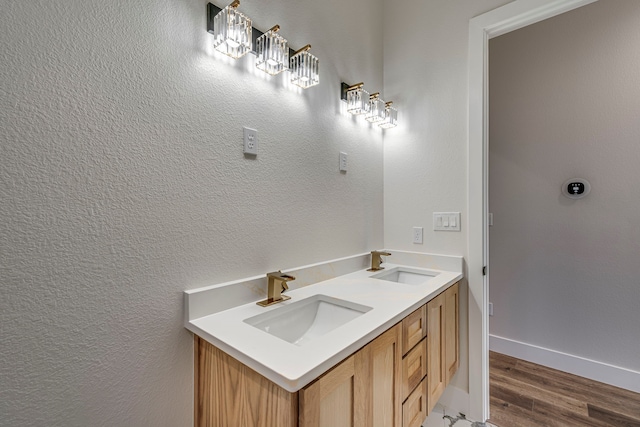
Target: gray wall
(123,183)
(564,103)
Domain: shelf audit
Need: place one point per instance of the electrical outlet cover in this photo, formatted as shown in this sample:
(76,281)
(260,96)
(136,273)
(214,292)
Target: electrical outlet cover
(250,141)
(417,235)
(343,162)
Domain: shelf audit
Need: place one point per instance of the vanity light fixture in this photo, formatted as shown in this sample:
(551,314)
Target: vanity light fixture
(235,36)
(273,52)
(372,107)
(232,31)
(390,117)
(376,109)
(357,99)
(305,68)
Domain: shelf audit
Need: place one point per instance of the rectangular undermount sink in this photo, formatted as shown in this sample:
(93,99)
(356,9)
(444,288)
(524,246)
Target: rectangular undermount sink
(406,275)
(304,320)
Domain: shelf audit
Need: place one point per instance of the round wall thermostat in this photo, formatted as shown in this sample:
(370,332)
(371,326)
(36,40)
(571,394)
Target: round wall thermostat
(576,188)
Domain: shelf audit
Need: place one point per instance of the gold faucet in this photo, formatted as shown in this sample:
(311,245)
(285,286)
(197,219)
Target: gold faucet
(276,285)
(376,260)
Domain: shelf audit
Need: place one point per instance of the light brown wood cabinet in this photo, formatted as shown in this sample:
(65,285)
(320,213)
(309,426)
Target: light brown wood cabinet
(230,394)
(386,379)
(360,391)
(394,381)
(452,330)
(442,342)
(414,368)
(414,409)
(414,329)
(436,350)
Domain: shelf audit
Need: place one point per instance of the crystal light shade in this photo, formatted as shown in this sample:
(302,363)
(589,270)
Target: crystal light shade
(357,100)
(304,68)
(376,110)
(232,32)
(390,117)
(273,52)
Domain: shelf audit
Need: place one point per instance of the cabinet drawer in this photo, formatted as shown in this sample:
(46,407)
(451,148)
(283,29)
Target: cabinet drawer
(414,368)
(414,410)
(414,328)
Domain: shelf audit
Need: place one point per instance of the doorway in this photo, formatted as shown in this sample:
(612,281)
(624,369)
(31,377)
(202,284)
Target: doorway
(510,17)
(562,105)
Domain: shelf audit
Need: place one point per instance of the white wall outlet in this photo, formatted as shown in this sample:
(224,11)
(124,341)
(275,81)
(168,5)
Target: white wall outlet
(250,141)
(446,221)
(417,235)
(343,162)
(490,309)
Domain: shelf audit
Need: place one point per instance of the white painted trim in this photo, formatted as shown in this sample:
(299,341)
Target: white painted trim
(521,13)
(587,368)
(510,17)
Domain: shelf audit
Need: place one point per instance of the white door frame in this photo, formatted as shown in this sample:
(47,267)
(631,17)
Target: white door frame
(509,17)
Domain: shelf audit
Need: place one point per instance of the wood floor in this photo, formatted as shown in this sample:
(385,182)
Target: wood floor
(524,394)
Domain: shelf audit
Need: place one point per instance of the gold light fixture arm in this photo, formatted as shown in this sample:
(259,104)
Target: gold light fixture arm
(275,28)
(235,4)
(302,49)
(355,86)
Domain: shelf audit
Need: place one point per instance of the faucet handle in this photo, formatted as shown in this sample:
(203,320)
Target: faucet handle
(281,276)
(382,253)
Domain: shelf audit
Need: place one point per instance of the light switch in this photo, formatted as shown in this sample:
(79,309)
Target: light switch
(446,221)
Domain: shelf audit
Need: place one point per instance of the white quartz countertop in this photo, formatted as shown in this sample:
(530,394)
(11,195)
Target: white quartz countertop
(292,366)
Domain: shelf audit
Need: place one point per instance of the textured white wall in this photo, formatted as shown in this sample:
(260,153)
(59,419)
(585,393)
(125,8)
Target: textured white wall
(564,103)
(425,158)
(123,183)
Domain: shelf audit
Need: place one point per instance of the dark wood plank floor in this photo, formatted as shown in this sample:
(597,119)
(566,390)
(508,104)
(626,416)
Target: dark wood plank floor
(524,394)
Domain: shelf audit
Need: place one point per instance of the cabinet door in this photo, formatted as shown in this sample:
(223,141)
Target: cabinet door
(436,376)
(336,399)
(229,394)
(363,391)
(386,364)
(452,332)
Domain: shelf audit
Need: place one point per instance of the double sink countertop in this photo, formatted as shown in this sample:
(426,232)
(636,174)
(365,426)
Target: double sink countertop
(292,366)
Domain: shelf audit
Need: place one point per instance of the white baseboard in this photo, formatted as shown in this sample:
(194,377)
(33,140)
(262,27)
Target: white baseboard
(597,371)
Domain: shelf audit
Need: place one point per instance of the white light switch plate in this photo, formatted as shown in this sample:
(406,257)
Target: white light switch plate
(446,221)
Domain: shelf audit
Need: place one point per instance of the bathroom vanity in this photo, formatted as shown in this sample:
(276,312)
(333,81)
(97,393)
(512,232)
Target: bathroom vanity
(360,349)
